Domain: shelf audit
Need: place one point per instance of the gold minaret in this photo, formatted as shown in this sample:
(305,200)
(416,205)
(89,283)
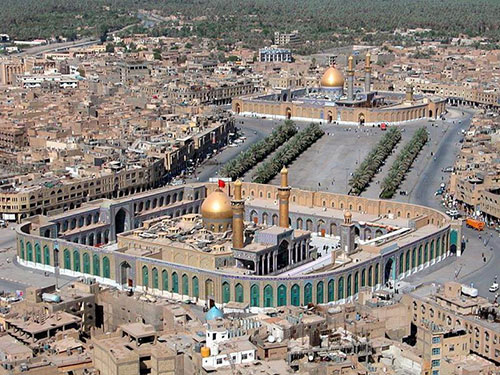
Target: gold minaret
(284,196)
(238,206)
(368,72)
(350,78)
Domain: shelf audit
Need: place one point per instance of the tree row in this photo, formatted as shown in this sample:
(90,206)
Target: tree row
(403,163)
(373,161)
(245,161)
(288,153)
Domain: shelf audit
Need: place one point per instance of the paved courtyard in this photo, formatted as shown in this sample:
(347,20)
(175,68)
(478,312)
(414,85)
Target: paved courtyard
(327,165)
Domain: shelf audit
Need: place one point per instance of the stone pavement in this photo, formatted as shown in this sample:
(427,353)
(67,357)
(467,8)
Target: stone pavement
(466,268)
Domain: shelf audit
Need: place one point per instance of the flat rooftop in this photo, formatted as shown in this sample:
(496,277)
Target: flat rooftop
(34,325)
(138,330)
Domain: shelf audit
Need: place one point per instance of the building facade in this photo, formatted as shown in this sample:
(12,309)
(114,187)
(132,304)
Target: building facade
(330,103)
(68,241)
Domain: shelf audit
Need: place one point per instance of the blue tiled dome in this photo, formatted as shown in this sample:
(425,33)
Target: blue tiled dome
(213,314)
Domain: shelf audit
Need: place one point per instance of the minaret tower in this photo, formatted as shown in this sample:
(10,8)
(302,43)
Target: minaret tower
(409,93)
(284,197)
(347,234)
(238,206)
(350,78)
(368,72)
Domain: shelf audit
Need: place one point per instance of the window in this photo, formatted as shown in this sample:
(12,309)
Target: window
(436,340)
(452,348)
(435,363)
(219,361)
(436,351)
(244,356)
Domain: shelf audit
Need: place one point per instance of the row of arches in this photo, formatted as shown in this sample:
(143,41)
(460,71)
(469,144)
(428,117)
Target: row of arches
(85,263)
(345,286)
(119,193)
(318,226)
(164,200)
(257,294)
(35,255)
(75,260)
(57,202)
(311,292)
(78,222)
(422,254)
(92,239)
(340,202)
(164,281)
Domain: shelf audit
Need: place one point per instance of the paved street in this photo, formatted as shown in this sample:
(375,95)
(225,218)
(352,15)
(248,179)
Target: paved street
(15,277)
(470,267)
(424,179)
(254,129)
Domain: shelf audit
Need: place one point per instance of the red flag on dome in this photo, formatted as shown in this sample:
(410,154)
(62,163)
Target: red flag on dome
(222,184)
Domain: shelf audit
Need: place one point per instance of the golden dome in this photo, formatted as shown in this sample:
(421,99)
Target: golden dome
(332,78)
(217,206)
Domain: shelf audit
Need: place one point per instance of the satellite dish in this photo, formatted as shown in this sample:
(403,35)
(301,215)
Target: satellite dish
(271,338)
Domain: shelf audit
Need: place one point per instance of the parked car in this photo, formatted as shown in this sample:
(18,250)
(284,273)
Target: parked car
(493,287)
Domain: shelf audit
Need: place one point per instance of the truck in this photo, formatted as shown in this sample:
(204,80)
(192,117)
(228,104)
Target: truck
(473,223)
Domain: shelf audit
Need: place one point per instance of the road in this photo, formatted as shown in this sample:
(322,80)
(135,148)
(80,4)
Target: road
(33,51)
(427,181)
(478,264)
(254,129)
(15,277)
(483,277)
